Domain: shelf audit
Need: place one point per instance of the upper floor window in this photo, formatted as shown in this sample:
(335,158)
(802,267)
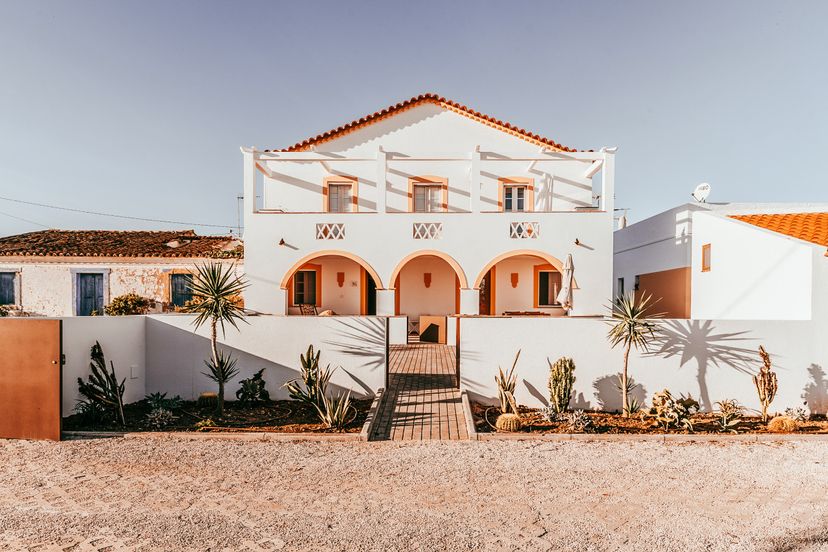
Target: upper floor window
(517,194)
(706,258)
(181,289)
(340,194)
(7,288)
(428,194)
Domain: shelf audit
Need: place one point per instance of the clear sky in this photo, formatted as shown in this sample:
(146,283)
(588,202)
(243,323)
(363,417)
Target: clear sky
(140,107)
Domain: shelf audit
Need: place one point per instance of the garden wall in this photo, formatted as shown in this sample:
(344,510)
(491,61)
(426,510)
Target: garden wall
(163,353)
(712,360)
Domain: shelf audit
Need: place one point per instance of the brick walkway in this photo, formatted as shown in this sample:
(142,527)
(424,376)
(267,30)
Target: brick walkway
(421,401)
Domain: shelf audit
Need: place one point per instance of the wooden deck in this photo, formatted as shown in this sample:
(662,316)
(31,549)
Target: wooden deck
(422,400)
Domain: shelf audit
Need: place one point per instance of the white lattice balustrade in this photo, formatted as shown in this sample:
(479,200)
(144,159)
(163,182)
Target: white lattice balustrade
(330,231)
(428,230)
(524,230)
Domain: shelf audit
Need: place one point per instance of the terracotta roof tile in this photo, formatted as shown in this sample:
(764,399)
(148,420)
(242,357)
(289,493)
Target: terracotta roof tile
(810,227)
(108,243)
(418,100)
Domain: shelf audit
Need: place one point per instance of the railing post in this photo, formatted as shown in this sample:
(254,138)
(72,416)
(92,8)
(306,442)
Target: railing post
(474,181)
(382,166)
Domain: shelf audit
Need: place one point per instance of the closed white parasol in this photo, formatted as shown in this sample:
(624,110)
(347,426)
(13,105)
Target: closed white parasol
(565,295)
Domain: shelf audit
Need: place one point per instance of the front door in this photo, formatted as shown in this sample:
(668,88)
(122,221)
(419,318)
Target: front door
(90,294)
(486,294)
(371,295)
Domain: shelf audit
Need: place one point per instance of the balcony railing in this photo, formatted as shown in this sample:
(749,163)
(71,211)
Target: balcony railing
(524,230)
(330,231)
(427,230)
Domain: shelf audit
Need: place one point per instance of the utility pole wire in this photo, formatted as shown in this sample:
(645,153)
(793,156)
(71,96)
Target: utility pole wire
(100,214)
(24,220)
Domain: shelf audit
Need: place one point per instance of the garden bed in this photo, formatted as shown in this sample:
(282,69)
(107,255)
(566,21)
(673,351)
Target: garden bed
(613,423)
(284,416)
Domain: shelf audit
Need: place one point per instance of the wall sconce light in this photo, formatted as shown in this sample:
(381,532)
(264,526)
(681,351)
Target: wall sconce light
(515,278)
(282,241)
(577,241)
(427,279)
(340,279)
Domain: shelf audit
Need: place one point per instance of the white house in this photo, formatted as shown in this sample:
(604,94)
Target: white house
(729,261)
(427,208)
(78,272)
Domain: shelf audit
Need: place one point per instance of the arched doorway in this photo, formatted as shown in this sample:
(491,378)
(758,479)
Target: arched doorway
(427,286)
(331,282)
(523,282)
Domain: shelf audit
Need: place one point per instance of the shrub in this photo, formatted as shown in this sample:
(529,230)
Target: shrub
(632,406)
(782,424)
(561,379)
(668,411)
(201,425)
(90,412)
(4,311)
(160,400)
(130,303)
(506,384)
(334,412)
(159,418)
(576,422)
(799,414)
(315,381)
(765,382)
(221,368)
(103,388)
(252,390)
(730,415)
(508,422)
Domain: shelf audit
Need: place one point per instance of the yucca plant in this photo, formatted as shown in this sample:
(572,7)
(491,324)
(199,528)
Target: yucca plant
(334,411)
(631,327)
(506,384)
(216,290)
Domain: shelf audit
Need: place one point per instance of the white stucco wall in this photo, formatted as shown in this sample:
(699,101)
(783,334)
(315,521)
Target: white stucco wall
(712,360)
(47,287)
(755,274)
(416,299)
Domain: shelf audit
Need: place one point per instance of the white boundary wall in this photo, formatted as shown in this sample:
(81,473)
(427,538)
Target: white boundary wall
(712,360)
(163,353)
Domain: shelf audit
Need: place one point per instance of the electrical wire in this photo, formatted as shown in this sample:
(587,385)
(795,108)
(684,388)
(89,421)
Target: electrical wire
(24,220)
(101,214)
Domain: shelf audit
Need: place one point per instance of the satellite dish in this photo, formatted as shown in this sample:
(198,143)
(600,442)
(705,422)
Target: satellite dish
(701,192)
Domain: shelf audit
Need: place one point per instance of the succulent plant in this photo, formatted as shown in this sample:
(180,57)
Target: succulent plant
(730,415)
(668,411)
(506,384)
(782,424)
(765,382)
(159,418)
(561,379)
(508,422)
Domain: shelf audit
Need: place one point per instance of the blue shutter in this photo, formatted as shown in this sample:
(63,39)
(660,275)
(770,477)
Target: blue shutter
(6,288)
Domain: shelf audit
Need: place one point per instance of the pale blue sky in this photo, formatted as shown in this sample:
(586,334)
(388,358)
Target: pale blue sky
(139,108)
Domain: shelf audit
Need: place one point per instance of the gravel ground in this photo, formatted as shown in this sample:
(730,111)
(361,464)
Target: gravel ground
(178,494)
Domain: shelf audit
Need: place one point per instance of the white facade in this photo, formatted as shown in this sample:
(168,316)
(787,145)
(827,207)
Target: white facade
(756,274)
(48,286)
(441,258)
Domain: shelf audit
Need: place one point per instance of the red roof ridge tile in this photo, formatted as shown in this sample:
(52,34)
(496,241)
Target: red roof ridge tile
(428,97)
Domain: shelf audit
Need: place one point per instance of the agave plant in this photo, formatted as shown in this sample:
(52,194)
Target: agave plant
(506,384)
(314,378)
(216,289)
(103,391)
(631,327)
(335,410)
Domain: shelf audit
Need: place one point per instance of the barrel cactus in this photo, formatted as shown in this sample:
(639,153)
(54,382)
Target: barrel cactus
(561,379)
(508,422)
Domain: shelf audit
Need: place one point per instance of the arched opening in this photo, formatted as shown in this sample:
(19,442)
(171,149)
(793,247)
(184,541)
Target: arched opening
(521,283)
(427,286)
(331,283)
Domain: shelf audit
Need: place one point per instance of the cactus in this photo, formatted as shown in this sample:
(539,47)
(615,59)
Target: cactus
(561,379)
(508,422)
(783,424)
(765,382)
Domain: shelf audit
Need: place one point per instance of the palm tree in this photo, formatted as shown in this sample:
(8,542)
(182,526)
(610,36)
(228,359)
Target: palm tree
(631,327)
(217,300)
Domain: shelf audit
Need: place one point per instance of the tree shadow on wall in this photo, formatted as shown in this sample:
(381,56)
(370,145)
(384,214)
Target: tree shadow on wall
(369,331)
(608,393)
(696,340)
(816,392)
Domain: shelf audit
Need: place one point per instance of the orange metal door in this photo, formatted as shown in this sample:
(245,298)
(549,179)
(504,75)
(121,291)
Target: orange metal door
(30,379)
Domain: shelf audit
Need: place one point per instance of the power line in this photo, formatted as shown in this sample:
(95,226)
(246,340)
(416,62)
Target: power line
(24,220)
(100,214)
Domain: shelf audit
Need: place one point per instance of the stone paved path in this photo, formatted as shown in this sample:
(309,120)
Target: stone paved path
(421,401)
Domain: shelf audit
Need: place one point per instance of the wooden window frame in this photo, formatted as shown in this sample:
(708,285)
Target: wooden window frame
(428,181)
(341,180)
(536,285)
(517,181)
(169,294)
(16,287)
(706,257)
(307,267)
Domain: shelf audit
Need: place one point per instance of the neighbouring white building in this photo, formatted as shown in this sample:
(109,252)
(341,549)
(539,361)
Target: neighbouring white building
(78,272)
(731,261)
(427,208)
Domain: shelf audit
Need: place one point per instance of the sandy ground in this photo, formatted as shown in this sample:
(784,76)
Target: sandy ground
(174,494)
